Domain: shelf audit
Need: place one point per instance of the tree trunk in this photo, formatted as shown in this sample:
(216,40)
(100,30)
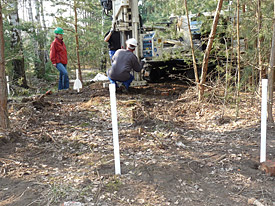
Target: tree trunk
(271,75)
(208,49)
(4,117)
(35,43)
(42,15)
(103,60)
(19,77)
(40,60)
(259,41)
(238,59)
(30,14)
(226,71)
(192,45)
(45,52)
(77,43)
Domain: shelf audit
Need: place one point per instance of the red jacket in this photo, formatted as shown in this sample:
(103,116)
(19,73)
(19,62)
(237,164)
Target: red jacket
(58,52)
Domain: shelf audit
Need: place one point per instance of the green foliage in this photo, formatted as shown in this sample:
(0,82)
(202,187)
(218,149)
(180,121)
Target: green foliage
(155,11)
(89,34)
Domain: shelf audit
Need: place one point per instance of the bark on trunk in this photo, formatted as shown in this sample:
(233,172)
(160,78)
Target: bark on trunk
(35,43)
(45,52)
(42,15)
(4,117)
(40,59)
(30,14)
(259,42)
(271,75)
(208,49)
(238,58)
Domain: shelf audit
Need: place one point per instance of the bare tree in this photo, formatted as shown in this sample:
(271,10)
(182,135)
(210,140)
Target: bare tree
(208,49)
(271,75)
(4,117)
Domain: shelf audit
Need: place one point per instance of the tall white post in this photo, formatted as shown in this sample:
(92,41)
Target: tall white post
(77,79)
(263,121)
(8,85)
(112,88)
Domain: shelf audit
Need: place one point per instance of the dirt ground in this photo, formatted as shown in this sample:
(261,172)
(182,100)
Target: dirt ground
(173,150)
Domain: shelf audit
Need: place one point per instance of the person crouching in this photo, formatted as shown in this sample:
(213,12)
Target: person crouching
(123,62)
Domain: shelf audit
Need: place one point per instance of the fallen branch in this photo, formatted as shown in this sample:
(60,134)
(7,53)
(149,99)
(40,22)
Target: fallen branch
(99,188)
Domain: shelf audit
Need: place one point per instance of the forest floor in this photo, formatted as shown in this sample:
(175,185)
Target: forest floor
(173,150)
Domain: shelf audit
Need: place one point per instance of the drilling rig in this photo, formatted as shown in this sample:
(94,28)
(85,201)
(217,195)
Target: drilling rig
(125,15)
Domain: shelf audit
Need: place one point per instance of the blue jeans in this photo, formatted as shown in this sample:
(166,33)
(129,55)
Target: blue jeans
(63,76)
(111,54)
(125,83)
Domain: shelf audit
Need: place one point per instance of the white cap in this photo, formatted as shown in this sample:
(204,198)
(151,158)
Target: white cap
(131,43)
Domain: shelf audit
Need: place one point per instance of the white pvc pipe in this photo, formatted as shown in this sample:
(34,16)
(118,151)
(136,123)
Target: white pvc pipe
(77,79)
(112,88)
(76,71)
(8,85)
(263,120)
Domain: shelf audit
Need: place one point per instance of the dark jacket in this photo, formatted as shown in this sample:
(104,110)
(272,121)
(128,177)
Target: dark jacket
(123,62)
(114,41)
(58,52)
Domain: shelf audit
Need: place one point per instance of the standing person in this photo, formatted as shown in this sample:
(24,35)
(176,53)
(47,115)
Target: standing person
(58,56)
(123,62)
(113,39)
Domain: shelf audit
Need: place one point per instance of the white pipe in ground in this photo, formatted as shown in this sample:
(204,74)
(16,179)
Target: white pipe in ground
(112,88)
(77,82)
(8,85)
(263,121)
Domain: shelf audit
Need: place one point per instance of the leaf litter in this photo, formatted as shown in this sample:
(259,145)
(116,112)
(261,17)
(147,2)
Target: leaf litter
(174,150)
